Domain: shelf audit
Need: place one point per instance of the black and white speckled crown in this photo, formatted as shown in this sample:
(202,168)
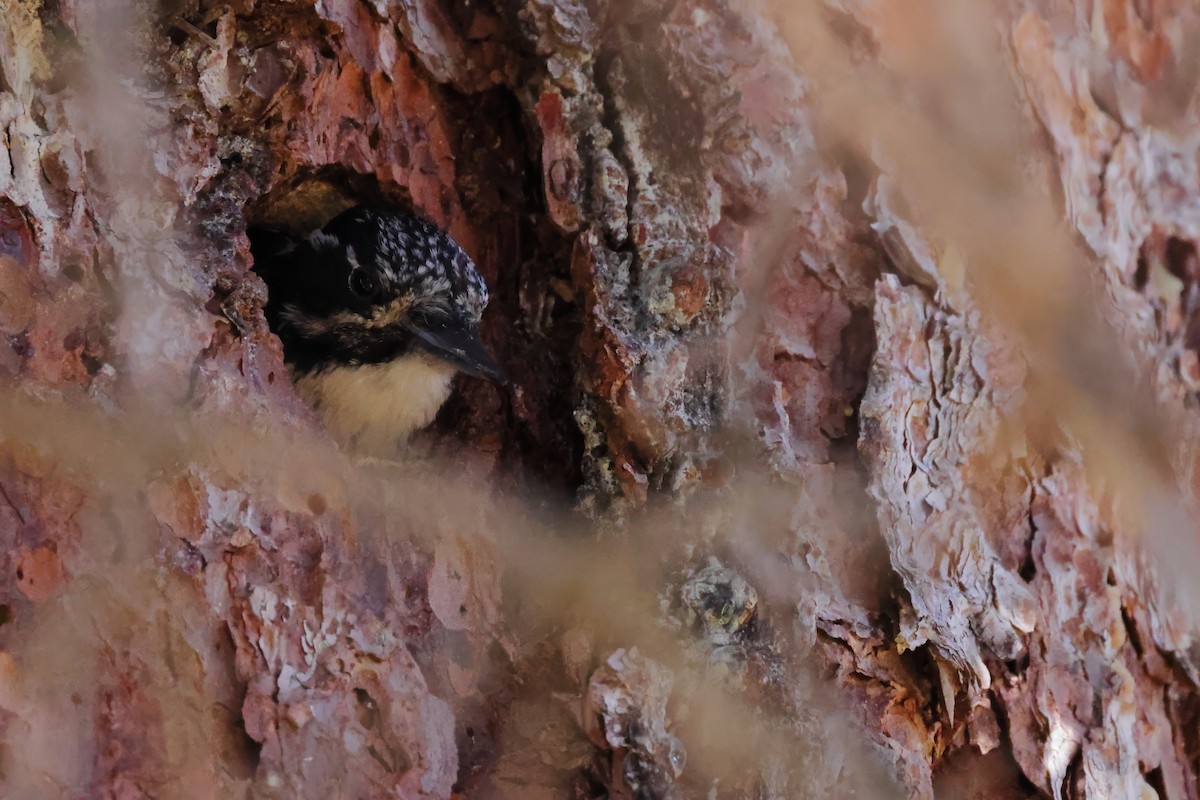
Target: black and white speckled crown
(414,257)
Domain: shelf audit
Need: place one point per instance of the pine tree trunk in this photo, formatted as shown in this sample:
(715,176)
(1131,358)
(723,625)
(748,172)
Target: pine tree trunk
(850,440)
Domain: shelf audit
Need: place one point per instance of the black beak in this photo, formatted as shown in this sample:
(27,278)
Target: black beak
(458,345)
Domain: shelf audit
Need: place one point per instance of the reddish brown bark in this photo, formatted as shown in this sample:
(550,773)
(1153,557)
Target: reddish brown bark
(853,359)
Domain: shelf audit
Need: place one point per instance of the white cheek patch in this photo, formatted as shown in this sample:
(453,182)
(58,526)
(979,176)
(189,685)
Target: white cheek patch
(391,315)
(312,326)
(374,408)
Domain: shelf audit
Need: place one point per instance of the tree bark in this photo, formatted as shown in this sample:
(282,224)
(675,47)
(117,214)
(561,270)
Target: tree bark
(849,447)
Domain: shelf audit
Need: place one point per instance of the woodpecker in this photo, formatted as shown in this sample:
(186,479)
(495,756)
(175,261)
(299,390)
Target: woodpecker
(376,311)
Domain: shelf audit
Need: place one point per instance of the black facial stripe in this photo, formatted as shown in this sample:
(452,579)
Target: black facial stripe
(348,344)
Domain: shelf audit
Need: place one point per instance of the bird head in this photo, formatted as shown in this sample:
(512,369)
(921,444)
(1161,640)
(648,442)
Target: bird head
(372,286)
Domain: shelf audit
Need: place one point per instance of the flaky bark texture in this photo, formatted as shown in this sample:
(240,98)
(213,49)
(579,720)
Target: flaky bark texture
(817,475)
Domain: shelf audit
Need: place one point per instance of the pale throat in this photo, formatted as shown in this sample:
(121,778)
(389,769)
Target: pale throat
(374,408)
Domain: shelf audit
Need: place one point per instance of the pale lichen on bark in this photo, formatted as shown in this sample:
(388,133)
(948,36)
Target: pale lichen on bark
(729,341)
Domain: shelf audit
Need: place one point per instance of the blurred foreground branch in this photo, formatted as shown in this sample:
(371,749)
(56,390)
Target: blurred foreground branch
(850,447)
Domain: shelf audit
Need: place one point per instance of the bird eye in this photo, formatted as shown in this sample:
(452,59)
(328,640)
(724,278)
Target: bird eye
(364,284)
